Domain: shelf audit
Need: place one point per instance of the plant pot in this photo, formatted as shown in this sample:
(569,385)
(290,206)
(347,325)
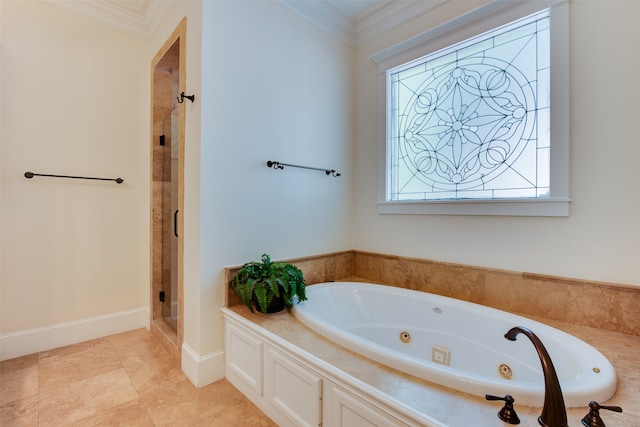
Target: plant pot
(276,305)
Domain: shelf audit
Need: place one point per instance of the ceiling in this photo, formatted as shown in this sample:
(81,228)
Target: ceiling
(353,21)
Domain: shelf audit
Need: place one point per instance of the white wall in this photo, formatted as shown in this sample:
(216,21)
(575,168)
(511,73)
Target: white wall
(269,86)
(600,240)
(75,101)
(274,87)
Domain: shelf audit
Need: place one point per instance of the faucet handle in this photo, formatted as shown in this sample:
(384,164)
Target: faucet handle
(592,419)
(507,413)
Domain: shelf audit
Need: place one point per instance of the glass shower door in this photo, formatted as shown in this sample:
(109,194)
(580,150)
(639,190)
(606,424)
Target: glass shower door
(170,212)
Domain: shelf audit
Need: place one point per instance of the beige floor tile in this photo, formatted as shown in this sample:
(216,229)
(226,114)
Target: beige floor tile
(138,347)
(72,349)
(18,384)
(128,414)
(22,412)
(127,380)
(181,404)
(243,414)
(86,398)
(19,363)
(69,365)
(129,338)
(149,377)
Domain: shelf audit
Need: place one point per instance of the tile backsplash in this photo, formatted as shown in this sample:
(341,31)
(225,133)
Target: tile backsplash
(607,306)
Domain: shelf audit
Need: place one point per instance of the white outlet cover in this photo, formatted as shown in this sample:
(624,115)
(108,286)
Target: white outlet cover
(441,355)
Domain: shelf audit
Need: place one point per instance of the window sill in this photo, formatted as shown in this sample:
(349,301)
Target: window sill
(502,207)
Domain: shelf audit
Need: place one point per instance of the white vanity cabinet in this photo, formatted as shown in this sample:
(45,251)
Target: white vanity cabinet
(295,389)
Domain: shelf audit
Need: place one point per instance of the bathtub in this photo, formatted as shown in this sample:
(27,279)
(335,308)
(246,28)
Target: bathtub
(454,343)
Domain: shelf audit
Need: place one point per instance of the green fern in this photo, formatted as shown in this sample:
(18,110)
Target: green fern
(262,282)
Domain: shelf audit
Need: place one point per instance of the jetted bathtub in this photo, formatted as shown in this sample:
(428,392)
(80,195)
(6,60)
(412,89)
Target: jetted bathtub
(454,343)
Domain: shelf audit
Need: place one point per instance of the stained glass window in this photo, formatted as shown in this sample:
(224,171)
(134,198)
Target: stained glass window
(472,121)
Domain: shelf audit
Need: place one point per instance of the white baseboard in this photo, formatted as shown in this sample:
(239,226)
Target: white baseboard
(202,370)
(31,341)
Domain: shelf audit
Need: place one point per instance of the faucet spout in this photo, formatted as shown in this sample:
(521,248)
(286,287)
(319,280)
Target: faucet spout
(554,413)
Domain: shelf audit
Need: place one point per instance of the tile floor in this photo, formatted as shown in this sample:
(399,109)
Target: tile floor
(126,379)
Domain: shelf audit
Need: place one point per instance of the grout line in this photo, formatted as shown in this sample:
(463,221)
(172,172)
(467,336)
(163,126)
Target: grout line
(133,384)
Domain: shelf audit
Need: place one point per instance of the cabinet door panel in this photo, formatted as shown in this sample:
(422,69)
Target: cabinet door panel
(343,409)
(293,389)
(244,357)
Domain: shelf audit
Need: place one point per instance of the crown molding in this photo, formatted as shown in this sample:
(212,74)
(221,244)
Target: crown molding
(373,23)
(324,16)
(386,16)
(390,15)
(106,13)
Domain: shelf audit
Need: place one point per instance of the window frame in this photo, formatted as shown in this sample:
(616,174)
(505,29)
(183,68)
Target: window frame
(485,18)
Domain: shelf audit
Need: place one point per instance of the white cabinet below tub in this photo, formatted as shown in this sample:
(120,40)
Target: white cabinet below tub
(288,392)
(296,389)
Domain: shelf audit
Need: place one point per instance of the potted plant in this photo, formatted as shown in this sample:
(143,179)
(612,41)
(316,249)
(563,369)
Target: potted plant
(269,286)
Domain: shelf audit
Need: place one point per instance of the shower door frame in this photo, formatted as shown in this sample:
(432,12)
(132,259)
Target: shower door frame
(169,337)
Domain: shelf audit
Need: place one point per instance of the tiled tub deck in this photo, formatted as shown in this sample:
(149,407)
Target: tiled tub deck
(457,409)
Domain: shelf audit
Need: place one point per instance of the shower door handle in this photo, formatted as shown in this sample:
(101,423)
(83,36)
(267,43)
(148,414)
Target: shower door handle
(175,223)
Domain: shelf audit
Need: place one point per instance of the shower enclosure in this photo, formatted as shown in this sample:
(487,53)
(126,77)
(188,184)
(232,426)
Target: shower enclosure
(167,181)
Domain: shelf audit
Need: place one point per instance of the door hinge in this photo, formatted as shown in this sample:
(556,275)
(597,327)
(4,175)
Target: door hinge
(161,296)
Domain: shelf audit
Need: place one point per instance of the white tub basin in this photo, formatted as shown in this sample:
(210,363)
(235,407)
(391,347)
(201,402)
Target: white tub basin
(454,343)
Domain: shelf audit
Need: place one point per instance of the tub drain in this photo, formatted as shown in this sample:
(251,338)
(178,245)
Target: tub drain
(505,371)
(405,337)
